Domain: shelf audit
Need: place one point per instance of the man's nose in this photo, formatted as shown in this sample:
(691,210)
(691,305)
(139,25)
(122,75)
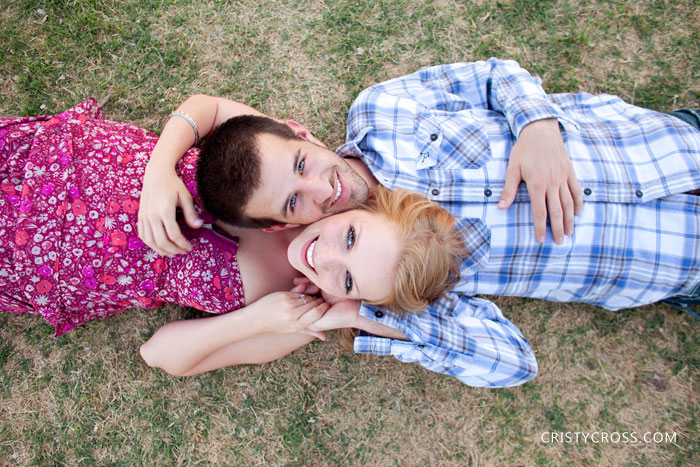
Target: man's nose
(319,189)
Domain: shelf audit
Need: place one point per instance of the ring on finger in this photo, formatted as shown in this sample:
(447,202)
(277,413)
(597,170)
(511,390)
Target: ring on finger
(303,297)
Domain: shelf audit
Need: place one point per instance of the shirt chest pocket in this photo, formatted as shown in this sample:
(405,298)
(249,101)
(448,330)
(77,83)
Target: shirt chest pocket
(450,143)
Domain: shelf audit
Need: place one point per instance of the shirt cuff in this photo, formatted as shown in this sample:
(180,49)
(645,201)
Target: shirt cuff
(526,111)
(403,350)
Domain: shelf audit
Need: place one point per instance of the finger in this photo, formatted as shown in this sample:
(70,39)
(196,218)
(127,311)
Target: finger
(149,240)
(318,334)
(302,305)
(576,194)
(312,302)
(178,241)
(301,280)
(191,217)
(313,314)
(567,205)
(144,233)
(510,188)
(161,240)
(556,215)
(298,289)
(539,210)
(140,230)
(312,289)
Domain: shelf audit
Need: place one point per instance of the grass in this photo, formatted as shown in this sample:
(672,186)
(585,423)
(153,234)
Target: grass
(87,399)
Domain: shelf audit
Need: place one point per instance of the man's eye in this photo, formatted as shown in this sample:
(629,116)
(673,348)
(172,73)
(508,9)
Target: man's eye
(351,237)
(292,202)
(300,167)
(348,282)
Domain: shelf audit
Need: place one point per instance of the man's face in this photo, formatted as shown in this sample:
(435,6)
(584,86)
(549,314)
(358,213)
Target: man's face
(302,182)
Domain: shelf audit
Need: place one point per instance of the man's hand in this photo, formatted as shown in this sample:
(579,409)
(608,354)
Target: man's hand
(162,193)
(539,158)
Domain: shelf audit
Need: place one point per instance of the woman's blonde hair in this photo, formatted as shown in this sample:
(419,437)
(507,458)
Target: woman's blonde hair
(430,255)
(431,248)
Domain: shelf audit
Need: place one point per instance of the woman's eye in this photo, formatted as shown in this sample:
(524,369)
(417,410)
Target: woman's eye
(292,202)
(300,167)
(348,282)
(351,237)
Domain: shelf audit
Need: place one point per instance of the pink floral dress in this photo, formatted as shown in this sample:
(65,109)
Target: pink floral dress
(69,250)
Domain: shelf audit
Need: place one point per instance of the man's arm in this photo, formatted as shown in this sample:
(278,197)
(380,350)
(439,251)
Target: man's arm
(162,190)
(538,157)
(462,336)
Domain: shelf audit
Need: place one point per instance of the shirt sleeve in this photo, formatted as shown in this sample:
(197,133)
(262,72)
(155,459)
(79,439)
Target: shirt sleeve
(497,85)
(459,335)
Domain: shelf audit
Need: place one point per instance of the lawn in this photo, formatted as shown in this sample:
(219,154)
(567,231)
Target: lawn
(87,398)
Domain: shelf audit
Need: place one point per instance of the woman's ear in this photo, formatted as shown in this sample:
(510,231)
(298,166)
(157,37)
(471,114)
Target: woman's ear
(302,132)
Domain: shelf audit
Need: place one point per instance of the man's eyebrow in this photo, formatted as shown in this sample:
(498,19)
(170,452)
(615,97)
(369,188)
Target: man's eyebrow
(294,169)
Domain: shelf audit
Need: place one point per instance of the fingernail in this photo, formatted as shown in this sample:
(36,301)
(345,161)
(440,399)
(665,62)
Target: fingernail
(560,240)
(540,239)
(198,222)
(501,204)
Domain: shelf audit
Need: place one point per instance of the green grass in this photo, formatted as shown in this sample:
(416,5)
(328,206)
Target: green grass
(87,399)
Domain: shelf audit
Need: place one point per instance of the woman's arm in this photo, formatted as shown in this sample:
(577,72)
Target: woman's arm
(262,331)
(162,190)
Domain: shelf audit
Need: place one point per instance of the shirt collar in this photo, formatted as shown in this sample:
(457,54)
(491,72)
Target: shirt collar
(477,239)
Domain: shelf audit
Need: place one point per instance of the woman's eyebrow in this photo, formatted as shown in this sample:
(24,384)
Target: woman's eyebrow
(358,232)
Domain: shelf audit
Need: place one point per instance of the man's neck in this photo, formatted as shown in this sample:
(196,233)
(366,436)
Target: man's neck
(360,167)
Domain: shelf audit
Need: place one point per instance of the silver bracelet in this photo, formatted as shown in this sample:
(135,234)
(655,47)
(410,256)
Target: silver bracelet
(189,120)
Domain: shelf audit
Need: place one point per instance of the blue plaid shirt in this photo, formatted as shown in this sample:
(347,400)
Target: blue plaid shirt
(447,131)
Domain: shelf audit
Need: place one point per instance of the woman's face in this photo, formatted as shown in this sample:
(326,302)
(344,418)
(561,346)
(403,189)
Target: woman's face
(350,255)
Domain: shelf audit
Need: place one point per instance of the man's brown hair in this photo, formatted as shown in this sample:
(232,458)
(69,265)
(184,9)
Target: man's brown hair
(228,170)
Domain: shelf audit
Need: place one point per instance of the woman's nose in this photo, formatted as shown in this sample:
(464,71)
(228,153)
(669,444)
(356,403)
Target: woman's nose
(326,256)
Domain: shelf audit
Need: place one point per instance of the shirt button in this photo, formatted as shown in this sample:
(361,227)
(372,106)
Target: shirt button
(379,314)
(639,193)
(435,191)
(587,191)
(421,346)
(487,192)
(433,137)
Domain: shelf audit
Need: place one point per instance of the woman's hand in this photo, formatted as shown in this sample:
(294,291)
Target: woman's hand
(343,314)
(162,193)
(288,313)
(162,190)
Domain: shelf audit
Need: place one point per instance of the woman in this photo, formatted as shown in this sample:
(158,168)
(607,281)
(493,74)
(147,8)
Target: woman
(69,249)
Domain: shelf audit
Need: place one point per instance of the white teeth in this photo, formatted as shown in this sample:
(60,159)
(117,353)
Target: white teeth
(338,191)
(310,254)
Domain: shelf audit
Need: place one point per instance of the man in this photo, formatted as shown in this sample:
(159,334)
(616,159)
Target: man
(464,134)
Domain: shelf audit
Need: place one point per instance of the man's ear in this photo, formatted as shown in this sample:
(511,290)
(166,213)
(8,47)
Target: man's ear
(302,132)
(278,227)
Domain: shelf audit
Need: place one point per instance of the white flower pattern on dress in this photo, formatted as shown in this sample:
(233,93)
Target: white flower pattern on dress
(68,242)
